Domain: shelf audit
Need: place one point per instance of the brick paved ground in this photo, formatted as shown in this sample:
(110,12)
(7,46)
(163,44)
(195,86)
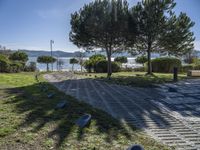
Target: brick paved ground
(172,118)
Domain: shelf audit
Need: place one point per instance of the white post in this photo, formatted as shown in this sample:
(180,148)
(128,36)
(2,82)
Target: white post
(51,42)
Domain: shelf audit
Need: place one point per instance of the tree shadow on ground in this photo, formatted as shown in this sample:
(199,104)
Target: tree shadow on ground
(124,101)
(40,114)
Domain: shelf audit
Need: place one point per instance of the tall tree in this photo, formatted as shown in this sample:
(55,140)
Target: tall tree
(141,59)
(80,57)
(101,24)
(73,61)
(160,30)
(19,56)
(46,60)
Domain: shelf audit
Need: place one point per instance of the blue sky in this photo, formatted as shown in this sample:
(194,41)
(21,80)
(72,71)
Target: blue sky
(30,24)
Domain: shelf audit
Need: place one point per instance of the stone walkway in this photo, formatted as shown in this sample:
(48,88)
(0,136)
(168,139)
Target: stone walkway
(172,118)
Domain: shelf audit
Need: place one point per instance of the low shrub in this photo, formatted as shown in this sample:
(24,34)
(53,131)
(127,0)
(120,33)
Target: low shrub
(90,65)
(165,64)
(4,64)
(16,67)
(101,66)
(31,67)
(139,69)
(186,68)
(196,67)
(126,69)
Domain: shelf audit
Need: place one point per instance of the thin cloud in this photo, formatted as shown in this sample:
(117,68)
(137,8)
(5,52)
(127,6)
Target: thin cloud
(53,13)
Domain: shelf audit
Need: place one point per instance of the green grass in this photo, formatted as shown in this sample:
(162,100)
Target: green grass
(134,78)
(28,120)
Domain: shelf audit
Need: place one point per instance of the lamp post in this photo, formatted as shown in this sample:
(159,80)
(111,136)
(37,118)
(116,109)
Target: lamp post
(51,42)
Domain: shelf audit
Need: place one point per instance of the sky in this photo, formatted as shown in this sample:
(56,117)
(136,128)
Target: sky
(31,24)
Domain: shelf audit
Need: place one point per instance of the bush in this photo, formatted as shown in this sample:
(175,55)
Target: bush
(4,64)
(141,59)
(101,67)
(186,68)
(196,67)
(19,56)
(127,69)
(16,67)
(90,64)
(121,59)
(115,67)
(165,64)
(139,69)
(31,67)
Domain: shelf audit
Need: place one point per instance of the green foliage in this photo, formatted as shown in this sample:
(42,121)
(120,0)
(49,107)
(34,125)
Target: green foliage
(19,56)
(31,67)
(196,61)
(122,59)
(101,66)
(93,60)
(88,65)
(4,64)
(165,64)
(186,68)
(160,30)
(102,24)
(16,67)
(141,59)
(46,60)
(196,67)
(10,66)
(139,69)
(73,61)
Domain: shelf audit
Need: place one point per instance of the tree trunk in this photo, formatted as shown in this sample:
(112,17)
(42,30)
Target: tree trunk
(47,66)
(72,67)
(149,71)
(109,69)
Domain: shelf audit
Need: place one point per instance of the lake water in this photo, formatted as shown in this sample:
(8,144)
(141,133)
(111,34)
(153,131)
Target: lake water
(67,66)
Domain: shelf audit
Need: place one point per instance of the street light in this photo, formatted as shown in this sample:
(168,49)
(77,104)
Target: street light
(51,42)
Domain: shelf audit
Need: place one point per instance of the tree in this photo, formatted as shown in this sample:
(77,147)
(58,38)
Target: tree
(46,60)
(19,56)
(60,62)
(101,24)
(80,59)
(141,59)
(92,62)
(160,30)
(121,59)
(73,61)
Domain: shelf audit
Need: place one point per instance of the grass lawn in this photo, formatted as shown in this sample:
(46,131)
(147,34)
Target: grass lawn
(135,78)
(28,120)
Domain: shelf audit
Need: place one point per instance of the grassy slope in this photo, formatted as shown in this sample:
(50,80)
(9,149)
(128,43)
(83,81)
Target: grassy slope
(134,78)
(28,120)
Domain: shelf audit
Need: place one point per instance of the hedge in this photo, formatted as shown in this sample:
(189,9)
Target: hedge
(165,64)
(101,66)
(186,68)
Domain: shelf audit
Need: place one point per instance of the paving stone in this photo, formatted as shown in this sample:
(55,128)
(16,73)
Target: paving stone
(171,118)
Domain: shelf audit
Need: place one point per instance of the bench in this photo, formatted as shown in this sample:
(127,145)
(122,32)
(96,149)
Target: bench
(194,73)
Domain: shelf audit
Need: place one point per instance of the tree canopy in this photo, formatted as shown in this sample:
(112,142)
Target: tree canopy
(121,59)
(141,59)
(19,56)
(149,26)
(73,61)
(46,60)
(160,30)
(102,24)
